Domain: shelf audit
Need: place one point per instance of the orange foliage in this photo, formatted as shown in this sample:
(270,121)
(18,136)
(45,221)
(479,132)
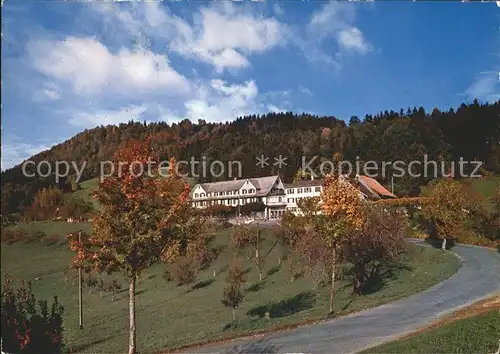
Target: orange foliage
(341,200)
(448,208)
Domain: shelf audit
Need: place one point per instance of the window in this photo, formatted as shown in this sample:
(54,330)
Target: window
(279,199)
(290,191)
(234,201)
(209,194)
(299,190)
(229,193)
(222,193)
(307,190)
(317,189)
(202,195)
(244,191)
(251,190)
(196,195)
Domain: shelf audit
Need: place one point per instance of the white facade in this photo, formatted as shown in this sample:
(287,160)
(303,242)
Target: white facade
(270,191)
(294,193)
(267,190)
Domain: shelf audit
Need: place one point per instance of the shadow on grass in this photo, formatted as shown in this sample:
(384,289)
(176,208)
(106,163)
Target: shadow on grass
(202,284)
(257,346)
(299,302)
(377,276)
(436,243)
(84,347)
(274,270)
(256,287)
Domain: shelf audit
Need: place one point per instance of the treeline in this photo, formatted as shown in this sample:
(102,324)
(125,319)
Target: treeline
(471,132)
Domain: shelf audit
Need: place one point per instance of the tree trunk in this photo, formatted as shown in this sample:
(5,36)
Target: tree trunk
(234,314)
(260,275)
(443,244)
(132,346)
(332,286)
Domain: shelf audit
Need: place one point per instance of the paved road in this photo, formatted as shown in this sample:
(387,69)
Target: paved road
(478,277)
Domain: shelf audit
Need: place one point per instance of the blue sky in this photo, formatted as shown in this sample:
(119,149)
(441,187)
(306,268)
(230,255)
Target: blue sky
(72,66)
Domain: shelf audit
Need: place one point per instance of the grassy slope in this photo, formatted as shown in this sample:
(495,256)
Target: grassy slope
(477,334)
(85,189)
(88,186)
(170,316)
(53,227)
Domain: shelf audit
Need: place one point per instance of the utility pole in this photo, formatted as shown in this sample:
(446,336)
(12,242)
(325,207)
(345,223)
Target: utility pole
(80,286)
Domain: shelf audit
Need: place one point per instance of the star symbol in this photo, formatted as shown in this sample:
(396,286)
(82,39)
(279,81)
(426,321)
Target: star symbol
(262,161)
(280,161)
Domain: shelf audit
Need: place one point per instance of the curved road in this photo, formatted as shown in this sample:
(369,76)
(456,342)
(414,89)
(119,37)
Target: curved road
(478,277)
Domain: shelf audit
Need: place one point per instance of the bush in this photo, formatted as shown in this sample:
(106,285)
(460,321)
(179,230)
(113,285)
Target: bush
(184,271)
(27,328)
(381,240)
(473,238)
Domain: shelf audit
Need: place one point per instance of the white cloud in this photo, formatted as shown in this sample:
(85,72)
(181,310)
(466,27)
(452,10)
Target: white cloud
(305,90)
(220,35)
(15,151)
(278,10)
(486,87)
(48,93)
(107,117)
(91,68)
(274,109)
(333,20)
(220,101)
(352,39)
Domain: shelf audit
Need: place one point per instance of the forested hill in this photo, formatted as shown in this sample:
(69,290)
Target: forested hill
(470,131)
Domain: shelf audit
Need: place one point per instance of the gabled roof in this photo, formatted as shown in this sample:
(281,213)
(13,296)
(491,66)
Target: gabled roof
(263,185)
(372,187)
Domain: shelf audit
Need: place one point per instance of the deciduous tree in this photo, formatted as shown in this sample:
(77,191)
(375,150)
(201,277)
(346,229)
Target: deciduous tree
(343,213)
(447,209)
(233,293)
(380,240)
(143,218)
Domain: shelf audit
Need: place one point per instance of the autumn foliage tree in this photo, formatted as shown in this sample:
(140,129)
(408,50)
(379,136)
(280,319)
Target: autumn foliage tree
(26,327)
(143,219)
(233,292)
(447,209)
(380,241)
(342,214)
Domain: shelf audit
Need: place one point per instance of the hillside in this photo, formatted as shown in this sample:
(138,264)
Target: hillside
(406,135)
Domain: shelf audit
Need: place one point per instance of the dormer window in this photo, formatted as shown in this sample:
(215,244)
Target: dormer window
(202,195)
(222,193)
(196,195)
(229,193)
(216,194)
